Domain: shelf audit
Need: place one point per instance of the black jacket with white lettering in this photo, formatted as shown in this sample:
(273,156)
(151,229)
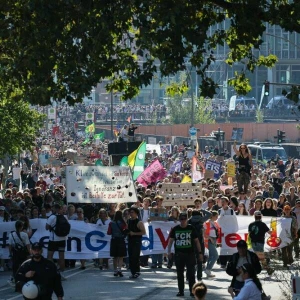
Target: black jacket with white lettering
(46,277)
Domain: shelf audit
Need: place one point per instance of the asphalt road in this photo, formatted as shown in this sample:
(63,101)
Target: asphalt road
(161,284)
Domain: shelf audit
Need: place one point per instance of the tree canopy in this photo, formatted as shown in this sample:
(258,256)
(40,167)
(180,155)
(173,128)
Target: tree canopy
(19,126)
(63,48)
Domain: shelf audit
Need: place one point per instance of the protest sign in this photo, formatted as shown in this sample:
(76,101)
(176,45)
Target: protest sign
(166,148)
(99,184)
(151,147)
(180,194)
(231,169)
(214,166)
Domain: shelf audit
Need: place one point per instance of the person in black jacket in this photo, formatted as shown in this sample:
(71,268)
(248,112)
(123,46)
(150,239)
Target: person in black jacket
(44,274)
(237,260)
(197,220)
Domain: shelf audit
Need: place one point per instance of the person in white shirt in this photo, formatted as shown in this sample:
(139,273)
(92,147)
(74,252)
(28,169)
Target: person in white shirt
(144,217)
(56,243)
(252,288)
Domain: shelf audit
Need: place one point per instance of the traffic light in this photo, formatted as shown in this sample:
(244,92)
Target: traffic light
(281,137)
(219,135)
(267,88)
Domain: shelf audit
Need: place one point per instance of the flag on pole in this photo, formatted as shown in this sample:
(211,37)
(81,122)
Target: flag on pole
(116,132)
(99,136)
(176,166)
(154,172)
(197,148)
(198,169)
(86,141)
(186,178)
(136,160)
(90,128)
(129,119)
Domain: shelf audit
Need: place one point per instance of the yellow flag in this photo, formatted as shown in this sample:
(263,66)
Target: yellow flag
(131,158)
(186,178)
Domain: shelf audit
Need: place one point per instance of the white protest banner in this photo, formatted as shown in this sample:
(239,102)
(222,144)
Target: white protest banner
(151,147)
(89,241)
(51,113)
(99,184)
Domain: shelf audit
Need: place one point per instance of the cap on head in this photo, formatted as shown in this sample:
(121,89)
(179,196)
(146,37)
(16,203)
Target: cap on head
(37,246)
(183,216)
(241,244)
(257,213)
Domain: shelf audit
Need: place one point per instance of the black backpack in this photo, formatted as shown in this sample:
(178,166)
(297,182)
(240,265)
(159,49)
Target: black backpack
(62,227)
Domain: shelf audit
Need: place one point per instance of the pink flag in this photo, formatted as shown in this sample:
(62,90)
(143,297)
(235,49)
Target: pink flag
(154,172)
(129,119)
(198,169)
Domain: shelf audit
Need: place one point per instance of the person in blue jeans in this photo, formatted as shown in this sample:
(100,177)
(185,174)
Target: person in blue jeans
(211,233)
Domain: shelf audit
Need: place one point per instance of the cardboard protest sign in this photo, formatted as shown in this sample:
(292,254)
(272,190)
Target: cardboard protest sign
(99,184)
(180,194)
(231,169)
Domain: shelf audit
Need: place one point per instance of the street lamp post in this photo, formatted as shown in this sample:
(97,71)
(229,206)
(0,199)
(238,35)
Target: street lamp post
(111,116)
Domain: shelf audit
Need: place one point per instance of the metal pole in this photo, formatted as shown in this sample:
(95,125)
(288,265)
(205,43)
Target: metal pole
(219,142)
(111,116)
(192,118)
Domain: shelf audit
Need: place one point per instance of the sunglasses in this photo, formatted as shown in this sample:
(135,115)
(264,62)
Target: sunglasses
(183,219)
(243,148)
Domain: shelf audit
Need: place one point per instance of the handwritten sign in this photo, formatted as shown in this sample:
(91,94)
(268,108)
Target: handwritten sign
(180,194)
(99,184)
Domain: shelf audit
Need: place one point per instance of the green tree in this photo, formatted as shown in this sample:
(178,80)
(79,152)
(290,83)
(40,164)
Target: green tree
(204,112)
(61,49)
(180,106)
(19,126)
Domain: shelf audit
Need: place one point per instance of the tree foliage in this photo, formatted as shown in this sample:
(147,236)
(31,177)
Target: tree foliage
(180,106)
(19,126)
(63,48)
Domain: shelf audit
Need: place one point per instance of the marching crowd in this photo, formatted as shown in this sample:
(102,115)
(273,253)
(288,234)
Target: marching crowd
(34,190)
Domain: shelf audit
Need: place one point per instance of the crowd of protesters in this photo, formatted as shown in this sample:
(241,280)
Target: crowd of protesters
(34,185)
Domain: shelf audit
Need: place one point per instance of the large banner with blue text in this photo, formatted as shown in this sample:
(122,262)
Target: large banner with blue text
(89,241)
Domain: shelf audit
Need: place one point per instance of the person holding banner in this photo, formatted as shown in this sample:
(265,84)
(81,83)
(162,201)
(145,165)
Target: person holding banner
(117,244)
(136,230)
(184,237)
(211,233)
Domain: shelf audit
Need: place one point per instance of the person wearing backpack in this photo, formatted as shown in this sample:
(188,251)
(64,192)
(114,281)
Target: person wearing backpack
(19,248)
(197,220)
(59,228)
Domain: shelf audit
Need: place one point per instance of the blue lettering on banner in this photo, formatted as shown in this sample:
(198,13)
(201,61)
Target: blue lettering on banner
(101,242)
